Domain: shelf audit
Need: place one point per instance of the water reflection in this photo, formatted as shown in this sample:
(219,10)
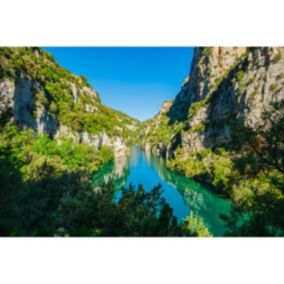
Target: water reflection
(183,194)
(201,200)
(115,172)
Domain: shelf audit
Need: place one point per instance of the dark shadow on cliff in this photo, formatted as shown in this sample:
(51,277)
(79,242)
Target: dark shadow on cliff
(178,111)
(217,123)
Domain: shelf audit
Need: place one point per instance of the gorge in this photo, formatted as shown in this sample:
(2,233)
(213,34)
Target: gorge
(216,150)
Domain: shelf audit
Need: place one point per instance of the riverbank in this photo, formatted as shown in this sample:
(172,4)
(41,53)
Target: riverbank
(184,195)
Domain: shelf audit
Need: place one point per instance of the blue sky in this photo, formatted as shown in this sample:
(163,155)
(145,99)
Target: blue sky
(135,80)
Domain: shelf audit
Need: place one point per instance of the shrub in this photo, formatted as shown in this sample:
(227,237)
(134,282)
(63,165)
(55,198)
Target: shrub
(195,107)
(272,87)
(41,99)
(222,171)
(276,58)
(206,51)
(240,76)
(53,108)
(194,226)
(198,128)
(216,167)
(251,80)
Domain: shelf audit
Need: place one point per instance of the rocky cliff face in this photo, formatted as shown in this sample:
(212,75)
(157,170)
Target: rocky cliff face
(157,135)
(35,92)
(224,83)
(18,101)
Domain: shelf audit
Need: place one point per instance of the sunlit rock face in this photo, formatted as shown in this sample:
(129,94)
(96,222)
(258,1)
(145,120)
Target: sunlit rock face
(26,100)
(18,102)
(18,99)
(241,83)
(224,83)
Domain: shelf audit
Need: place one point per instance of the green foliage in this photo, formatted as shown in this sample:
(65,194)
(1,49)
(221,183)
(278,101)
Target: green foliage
(194,226)
(54,92)
(240,64)
(280,76)
(27,148)
(252,97)
(250,171)
(160,131)
(251,80)
(46,190)
(53,108)
(276,58)
(272,87)
(222,171)
(215,168)
(136,213)
(41,99)
(258,185)
(195,107)
(198,128)
(41,196)
(189,165)
(206,51)
(240,75)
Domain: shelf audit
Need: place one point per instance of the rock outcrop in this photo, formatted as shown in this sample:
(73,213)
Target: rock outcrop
(224,83)
(36,93)
(157,135)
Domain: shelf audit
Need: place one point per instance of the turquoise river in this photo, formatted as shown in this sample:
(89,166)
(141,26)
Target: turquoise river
(182,193)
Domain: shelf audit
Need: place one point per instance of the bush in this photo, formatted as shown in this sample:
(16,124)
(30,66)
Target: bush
(240,76)
(276,58)
(272,87)
(194,226)
(216,167)
(195,107)
(53,108)
(222,172)
(206,51)
(198,128)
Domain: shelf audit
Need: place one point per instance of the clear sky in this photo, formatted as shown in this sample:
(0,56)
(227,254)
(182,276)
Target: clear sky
(135,80)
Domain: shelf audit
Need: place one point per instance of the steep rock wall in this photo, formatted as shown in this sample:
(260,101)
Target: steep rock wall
(224,83)
(36,93)
(244,90)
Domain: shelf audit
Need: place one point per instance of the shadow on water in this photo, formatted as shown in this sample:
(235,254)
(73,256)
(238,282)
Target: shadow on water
(183,194)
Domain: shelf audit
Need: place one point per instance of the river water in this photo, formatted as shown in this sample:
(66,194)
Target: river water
(182,193)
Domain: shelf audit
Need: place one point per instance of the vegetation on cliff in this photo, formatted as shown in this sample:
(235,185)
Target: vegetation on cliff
(46,190)
(232,133)
(250,171)
(68,97)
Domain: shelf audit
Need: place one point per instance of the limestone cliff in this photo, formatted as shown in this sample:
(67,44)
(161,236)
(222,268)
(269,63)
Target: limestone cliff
(224,83)
(37,93)
(157,135)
